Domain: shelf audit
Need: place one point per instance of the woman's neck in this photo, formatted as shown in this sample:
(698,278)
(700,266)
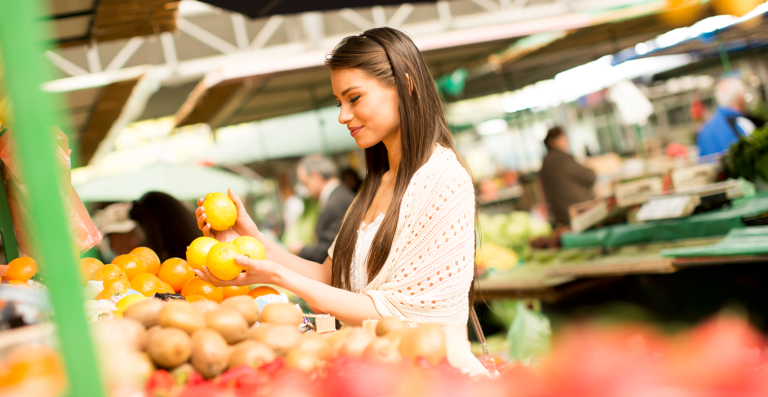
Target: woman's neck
(394,151)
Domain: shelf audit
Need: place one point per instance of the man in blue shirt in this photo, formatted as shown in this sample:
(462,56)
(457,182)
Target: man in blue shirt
(728,123)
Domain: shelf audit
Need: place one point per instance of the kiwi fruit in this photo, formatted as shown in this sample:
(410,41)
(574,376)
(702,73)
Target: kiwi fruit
(182,315)
(389,324)
(229,323)
(382,350)
(205,306)
(356,342)
(210,353)
(169,347)
(316,344)
(245,305)
(427,341)
(281,313)
(280,337)
(252,353)
(146,312)
(301,360)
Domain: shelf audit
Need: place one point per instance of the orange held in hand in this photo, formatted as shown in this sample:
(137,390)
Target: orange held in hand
(88,266)
(221,261)
(197,286)
(235,291)
(21,269)
(220,211)
(176,272)
(197,252)
(147,284)
(107,272)
(132,264)
(149,257)
(194,298)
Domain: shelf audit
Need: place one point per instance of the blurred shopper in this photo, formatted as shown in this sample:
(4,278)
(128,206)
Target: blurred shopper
(320,176)
(729,123)
(166,223)
(293,206)
(565,181)
(156,220)
(122,232)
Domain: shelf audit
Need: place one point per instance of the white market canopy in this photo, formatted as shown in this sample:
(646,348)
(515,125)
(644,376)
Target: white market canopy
(183,181)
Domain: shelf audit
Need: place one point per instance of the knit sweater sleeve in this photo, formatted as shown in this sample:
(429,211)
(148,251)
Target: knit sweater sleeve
(430,269)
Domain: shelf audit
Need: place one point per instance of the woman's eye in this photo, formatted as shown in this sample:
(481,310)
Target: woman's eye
(353,100)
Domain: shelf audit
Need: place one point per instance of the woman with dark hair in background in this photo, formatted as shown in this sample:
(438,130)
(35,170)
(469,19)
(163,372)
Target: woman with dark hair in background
(167,224)
(406,246)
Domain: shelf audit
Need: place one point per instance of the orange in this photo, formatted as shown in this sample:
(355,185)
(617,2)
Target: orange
(197,286)
(220,211)
(19,283)
(33,363)
(167,288)
(21,269)
(107,272)
(149,257)
(132,264)
(197,252)
(88,266)
(195,298)
(176,272)
(251,247)
(235,291)
(114,286)
(221,261)
(261,291)
(147,284)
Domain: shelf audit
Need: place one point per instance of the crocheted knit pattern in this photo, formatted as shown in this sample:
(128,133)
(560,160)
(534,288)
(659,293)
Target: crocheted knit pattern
(430,267)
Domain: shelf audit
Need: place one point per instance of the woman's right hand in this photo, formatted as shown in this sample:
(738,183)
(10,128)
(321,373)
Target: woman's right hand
(244,225)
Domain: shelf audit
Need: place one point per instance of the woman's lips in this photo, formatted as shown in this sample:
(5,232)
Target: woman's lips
(355,131)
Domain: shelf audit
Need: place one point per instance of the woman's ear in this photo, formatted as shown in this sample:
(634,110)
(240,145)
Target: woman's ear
(410,83)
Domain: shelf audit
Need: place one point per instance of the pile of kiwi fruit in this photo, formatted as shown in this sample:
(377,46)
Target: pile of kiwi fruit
(213,337)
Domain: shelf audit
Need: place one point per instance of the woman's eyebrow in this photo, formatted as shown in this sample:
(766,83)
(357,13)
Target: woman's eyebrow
(349,89)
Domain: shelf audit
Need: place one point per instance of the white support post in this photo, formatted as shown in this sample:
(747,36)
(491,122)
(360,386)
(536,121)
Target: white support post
(266,32)
(312,22)
(402,13)
(169,48)
(379,17)
(356,19)
(125,53)
(444,13)
(241,31)
(488,5)
(206,37)
(518,4)
(65,65)
(92,54)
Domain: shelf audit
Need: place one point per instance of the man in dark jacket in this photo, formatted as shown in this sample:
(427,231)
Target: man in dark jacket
(320,176)
(565,181)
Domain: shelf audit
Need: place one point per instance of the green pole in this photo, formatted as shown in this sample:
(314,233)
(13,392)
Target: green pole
(641,145)
(724,59)
(22,36)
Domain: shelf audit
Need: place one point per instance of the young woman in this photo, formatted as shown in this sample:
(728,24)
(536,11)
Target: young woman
(406,246)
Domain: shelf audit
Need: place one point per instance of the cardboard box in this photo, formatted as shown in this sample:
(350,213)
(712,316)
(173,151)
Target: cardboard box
(696,176)
(638,191)
(589,213)
(668,207)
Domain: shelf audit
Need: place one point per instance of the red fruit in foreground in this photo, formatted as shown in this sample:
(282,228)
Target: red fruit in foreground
(206,390)
(243,377)
(161,383)
(273,367)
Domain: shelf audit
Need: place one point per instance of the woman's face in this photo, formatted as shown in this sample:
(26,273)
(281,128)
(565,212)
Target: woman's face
(369,108)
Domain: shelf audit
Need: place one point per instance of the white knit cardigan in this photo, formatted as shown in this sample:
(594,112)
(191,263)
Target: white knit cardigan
(430,267)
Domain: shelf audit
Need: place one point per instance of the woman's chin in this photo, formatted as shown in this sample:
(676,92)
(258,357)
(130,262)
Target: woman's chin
(363,143)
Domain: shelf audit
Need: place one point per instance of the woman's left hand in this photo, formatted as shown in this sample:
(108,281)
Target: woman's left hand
(256,272)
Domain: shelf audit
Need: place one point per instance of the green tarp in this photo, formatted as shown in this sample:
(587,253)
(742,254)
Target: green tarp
(748,241)
(708,224)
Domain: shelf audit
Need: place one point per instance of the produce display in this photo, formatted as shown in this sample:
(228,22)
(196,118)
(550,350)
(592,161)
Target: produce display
(505,239)
(748,158)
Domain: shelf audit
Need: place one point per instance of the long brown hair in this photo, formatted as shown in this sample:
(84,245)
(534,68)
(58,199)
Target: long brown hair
(390,56)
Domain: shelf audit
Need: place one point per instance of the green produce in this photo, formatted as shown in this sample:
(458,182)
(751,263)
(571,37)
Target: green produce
(748,158)
(512,231)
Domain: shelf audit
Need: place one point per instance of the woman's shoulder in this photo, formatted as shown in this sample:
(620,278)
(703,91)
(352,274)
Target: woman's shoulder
(443,168)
